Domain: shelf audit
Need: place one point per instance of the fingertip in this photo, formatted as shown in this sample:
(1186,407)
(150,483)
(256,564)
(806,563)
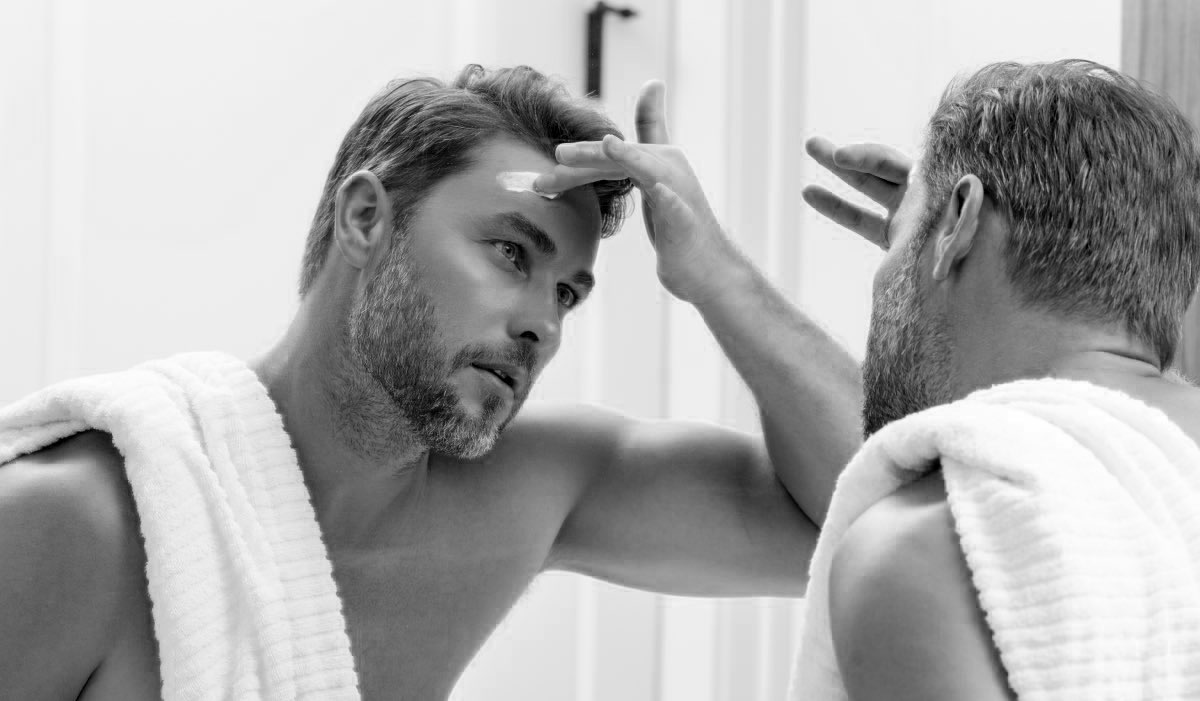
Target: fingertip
(816,145)
(613,146)
(544,183)
(654,86)
(816,196)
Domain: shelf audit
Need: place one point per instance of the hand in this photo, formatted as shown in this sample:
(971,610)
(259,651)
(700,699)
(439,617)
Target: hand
(879,172)
(692,249)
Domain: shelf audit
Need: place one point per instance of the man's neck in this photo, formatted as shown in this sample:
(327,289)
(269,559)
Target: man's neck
(356,472)
(1048,347)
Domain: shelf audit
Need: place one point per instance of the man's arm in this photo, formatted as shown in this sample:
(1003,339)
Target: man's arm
(65,552)
(807,387)
(907,625)
(677,507)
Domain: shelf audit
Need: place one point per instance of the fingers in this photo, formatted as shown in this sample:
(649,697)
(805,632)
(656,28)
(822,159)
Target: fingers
(826,153)
(636,161)
(650,116)
(881,161)
(564,178)
(643,167)
(861,221)
(581,154)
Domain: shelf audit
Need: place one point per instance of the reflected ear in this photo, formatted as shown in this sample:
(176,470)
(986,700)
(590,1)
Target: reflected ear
(361,218)
(961,220)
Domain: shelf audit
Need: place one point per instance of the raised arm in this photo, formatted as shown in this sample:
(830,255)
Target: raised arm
(807,387)
(676,507)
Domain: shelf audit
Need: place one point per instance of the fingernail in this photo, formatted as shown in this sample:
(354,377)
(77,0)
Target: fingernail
(565,150)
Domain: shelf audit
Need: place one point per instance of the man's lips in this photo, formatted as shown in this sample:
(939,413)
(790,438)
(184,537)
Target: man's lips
(505,376)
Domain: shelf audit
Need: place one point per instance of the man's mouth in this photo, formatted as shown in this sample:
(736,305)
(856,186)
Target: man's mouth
(499,374)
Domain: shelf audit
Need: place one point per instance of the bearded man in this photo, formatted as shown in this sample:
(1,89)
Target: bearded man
(351,514)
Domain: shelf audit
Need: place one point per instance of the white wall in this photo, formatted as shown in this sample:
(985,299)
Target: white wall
(160,162)
(877,69)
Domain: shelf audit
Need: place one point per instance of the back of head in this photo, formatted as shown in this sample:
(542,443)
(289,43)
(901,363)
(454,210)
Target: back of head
(1100,181)
(418,131)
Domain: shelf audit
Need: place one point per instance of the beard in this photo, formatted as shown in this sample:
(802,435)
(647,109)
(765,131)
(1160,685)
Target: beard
(907,367)
(397,394)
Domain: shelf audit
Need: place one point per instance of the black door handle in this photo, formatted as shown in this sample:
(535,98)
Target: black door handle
(595,41)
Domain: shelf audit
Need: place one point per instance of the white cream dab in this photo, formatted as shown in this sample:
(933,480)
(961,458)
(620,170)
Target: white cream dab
(522,181)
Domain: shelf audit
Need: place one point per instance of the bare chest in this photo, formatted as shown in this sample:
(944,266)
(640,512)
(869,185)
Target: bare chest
(416,615)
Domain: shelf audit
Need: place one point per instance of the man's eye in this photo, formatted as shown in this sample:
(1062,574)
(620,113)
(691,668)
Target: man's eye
(509,250)
(567,296)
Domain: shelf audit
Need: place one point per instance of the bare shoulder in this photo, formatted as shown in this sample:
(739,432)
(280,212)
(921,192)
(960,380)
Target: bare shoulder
(905,618)
(72,554)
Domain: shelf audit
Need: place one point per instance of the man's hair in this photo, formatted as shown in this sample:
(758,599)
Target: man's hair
(418,131)
(1099,178)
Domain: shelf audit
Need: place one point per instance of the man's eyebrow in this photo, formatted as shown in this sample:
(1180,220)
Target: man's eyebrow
(535,234)
(585,280)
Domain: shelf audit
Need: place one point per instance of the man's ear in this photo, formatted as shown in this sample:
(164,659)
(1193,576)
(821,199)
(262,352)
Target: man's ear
(961,220)
(361,218)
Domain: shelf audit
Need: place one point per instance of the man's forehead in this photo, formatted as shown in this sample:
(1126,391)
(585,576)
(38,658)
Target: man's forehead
(479,189)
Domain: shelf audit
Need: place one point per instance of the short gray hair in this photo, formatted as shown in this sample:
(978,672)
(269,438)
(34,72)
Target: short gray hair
(1099,178)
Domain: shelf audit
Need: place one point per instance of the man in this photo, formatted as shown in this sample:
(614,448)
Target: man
(432,298)
(1048,230)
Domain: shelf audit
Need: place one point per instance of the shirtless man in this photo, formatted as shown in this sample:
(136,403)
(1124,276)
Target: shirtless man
(1049,229)
(432,297)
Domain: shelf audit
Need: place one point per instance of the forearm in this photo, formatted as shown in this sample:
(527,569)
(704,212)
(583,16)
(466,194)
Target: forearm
(808,388)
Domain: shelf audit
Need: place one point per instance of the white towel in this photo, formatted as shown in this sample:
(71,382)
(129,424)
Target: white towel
(1078,511)
(241,587)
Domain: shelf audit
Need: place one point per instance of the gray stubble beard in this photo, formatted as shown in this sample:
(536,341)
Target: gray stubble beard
(392,395)
(908,363)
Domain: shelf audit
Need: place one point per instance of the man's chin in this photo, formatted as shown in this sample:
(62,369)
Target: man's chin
(468,447)
(472,435)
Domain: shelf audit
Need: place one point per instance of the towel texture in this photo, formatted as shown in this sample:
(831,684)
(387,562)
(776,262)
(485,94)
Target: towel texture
(1078,511)
(241,587)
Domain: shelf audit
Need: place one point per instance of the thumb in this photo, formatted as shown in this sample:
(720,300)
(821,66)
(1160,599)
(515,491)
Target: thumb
(651,114)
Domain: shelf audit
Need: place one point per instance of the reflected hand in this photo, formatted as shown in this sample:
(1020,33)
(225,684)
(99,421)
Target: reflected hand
(692,248)
(879,172)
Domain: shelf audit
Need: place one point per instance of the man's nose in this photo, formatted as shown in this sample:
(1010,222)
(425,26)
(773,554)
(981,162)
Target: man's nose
(539,322)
